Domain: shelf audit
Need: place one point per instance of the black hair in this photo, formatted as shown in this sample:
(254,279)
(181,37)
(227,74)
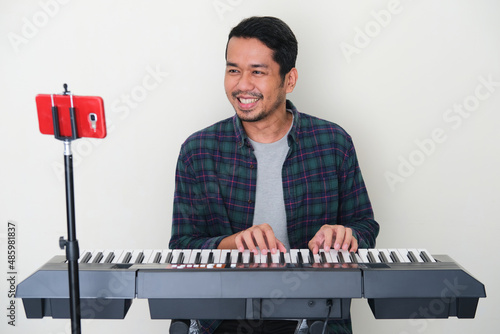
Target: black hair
(275,34)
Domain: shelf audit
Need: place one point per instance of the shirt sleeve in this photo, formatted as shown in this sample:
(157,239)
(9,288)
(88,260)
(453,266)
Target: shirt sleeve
(354,206)
(191,212)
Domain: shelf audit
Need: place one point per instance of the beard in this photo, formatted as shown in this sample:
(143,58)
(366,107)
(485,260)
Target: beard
(249,115)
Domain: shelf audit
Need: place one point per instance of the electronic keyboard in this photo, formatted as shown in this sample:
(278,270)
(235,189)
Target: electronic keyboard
(228,284)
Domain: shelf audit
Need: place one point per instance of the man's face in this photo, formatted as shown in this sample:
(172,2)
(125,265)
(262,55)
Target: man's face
(252,81)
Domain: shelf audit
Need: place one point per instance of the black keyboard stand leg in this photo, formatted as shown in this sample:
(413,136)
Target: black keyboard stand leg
(179,326)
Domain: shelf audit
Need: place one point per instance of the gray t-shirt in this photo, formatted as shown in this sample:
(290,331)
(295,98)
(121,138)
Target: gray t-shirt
(269,201)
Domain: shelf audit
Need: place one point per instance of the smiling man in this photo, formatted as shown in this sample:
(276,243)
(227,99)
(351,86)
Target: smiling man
(270,178)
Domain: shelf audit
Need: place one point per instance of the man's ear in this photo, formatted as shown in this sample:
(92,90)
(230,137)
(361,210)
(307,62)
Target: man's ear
(291,80)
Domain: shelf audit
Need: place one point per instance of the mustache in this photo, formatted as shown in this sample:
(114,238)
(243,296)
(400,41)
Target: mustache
(240,92)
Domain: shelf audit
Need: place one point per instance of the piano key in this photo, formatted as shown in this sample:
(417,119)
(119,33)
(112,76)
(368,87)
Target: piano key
(385,256)
(204,255)
(424,255)
(98,257)
(334,254)
(156,258)
(282,258)
(373,256)
(287,257)
(210,259)
(354,257)
(108,256)
(168,255)
(239,258)
(345,255)
(176,255)
(193,256)
(322,256)
(125,257)
(87,255)
(363,254)
(414,253)
(305,255)
(340,256)
(293,256)
(234,256)
(395,256)
(326,255)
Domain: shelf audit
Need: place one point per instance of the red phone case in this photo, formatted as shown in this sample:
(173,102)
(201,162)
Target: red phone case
(86,109)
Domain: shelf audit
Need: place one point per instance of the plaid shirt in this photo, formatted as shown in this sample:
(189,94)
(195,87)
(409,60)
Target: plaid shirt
(322,184)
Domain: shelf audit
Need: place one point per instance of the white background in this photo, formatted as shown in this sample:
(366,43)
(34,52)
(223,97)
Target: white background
(405,68)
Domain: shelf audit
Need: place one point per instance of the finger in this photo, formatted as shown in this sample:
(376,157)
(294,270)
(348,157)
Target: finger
(327,231)
(248,238)
(238,240)
(281,246)
(260,240)
(339,236)
(347,239)
(354,245)
(314,245)
(271,241)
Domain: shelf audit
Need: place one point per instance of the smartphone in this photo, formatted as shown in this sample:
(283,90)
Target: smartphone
(89,115)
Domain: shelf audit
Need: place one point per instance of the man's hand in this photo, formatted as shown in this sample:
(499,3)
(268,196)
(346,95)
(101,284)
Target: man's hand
(336,236)
(261,236)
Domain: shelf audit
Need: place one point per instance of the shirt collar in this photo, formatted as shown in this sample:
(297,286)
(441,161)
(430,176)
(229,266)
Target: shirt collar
(242,138)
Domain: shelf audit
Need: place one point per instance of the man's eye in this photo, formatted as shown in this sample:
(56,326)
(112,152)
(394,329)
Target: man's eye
(258,72)
(232,71)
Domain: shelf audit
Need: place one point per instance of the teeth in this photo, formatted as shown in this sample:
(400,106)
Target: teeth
(246,101)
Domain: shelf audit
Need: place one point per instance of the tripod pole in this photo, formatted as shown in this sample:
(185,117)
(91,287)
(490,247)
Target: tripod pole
(72,251)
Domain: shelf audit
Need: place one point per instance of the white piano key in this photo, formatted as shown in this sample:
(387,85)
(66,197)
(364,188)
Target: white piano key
(152,257)
(223,255)
(234,256)
(346,255)
(334,254)
(205,253)
(374,252)
(293,255)
(275,258)
(175,255)
(431,258)
(404,254)
(288,258)
(363,254)
(357,257)
(305,255)
(124,254)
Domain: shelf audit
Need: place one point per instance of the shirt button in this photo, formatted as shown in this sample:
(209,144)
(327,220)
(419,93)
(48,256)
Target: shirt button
(250,201)
(251,166)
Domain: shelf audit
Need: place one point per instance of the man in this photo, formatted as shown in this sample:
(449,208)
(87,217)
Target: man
(269,178)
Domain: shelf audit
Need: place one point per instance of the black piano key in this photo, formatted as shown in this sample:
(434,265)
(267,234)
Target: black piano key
(412,256)
(322,258)
(197,259)
(140,258)
(127,257)
(340,257)
(371,258)
(239,259)
(252,258)
(394,257)
(180,258)
(169,257)
(311,257)
(210,257)
(282,258)
(110,257)
(227,261)
(382,257)
(300,259)
(157,258)
(97,258)
(269,258)
(353,257)
(423,256)
(86,257)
